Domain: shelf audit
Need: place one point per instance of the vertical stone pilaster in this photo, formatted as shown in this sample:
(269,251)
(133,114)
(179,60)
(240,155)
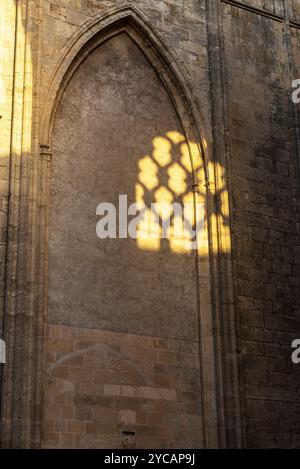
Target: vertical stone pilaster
(228,395)
(19,392)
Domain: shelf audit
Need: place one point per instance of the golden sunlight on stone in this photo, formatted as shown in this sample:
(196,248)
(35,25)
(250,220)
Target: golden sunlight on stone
(148,173)
(162,151)
(175,137)
(185,230)
(177,177)
(149,232)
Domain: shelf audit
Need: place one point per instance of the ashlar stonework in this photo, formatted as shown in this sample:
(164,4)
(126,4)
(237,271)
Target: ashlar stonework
(114,343)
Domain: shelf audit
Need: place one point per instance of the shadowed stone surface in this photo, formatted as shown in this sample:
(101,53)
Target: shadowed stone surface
(109,115)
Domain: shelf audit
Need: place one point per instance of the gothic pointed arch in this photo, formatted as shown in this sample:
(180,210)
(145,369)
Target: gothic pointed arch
(132,21)
(92,34)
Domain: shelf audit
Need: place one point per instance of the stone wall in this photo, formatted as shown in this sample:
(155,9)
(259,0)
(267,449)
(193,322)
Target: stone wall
(239,59)
(101,384)
(265,221)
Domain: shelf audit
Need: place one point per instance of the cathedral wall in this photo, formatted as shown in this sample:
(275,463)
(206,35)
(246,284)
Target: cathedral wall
(106,377)
(265,210)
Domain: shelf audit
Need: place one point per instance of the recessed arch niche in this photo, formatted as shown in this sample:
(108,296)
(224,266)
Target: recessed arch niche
(124,332)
